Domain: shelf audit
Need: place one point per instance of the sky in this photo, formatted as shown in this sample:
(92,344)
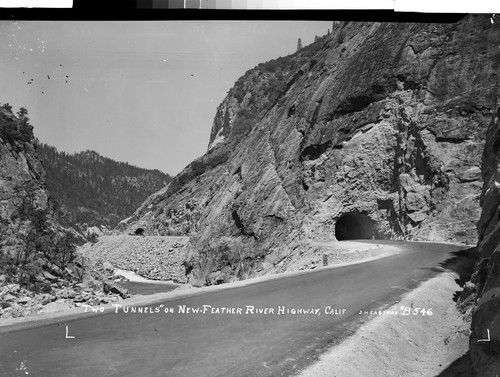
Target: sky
(145,93)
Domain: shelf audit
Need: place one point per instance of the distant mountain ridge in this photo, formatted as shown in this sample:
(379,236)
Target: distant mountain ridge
(93,190)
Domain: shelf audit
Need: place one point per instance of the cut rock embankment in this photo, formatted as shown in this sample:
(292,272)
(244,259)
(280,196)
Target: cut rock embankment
(152,257)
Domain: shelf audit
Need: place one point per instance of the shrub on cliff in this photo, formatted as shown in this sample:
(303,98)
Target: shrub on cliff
(37,245)
(197,168)
(14,130)
(340,37)
(243,124)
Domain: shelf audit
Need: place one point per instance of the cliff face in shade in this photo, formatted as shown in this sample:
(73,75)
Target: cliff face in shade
(486,277)
(375,130)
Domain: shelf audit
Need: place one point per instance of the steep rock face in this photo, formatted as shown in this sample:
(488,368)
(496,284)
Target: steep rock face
(38,267)
(378,126)
(20,169)
(486,277)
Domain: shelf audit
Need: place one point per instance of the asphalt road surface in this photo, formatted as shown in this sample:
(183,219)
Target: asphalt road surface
(227,343)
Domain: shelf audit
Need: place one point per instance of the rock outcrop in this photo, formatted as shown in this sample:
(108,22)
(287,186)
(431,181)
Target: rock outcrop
(485,287)
(38,268)
(21,174)
(377,127)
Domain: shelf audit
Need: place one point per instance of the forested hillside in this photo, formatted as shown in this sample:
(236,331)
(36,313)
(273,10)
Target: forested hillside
(94,190)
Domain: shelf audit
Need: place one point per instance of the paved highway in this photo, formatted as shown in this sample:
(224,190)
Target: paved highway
(228,336)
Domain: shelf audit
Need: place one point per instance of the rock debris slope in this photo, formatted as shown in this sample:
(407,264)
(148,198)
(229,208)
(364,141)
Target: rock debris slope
(375,130)
(152,257)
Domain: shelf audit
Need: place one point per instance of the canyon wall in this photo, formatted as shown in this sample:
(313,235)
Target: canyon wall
(22,177)
(485,287)
(375,130)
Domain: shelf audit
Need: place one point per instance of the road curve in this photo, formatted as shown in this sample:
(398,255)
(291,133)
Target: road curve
(237,341)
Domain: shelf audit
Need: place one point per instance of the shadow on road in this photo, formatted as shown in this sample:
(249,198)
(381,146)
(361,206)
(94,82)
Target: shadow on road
(462,263)
(461,367)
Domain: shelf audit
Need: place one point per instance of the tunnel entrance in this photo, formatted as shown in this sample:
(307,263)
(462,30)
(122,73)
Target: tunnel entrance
(352,226)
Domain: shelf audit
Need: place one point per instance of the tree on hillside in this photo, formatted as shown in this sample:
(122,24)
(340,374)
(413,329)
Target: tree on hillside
(23,113)
(340,37)
(7,106)
(299,44)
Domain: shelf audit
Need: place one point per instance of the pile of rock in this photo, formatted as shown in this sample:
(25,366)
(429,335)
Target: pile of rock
(152,257)
(17,302)
(58,294)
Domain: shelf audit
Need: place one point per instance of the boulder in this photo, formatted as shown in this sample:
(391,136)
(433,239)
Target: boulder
(94,285)
(93,231)
(108,267)
(9,298)
(79,287)
(13,288)
(94,301)
(17,311)
(3,290)
(4,304)
(24,300)
(112,287)
(79,298)
(47,275)
(47,298)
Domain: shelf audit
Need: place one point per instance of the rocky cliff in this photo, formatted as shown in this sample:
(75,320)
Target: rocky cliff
(39,269)
(375,130)
(485,336)
(21,175)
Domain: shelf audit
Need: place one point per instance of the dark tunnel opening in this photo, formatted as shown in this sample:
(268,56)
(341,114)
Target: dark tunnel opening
(354,226)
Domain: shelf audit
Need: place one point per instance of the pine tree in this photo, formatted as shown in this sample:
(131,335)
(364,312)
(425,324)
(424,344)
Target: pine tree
(299,44)
(316,38)
(22,113)
(7,106)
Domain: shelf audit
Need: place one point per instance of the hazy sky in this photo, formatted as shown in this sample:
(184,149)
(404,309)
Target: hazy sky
(141,92)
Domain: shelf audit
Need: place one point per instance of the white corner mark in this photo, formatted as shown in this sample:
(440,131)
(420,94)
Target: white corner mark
(486,340)
(68,336)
